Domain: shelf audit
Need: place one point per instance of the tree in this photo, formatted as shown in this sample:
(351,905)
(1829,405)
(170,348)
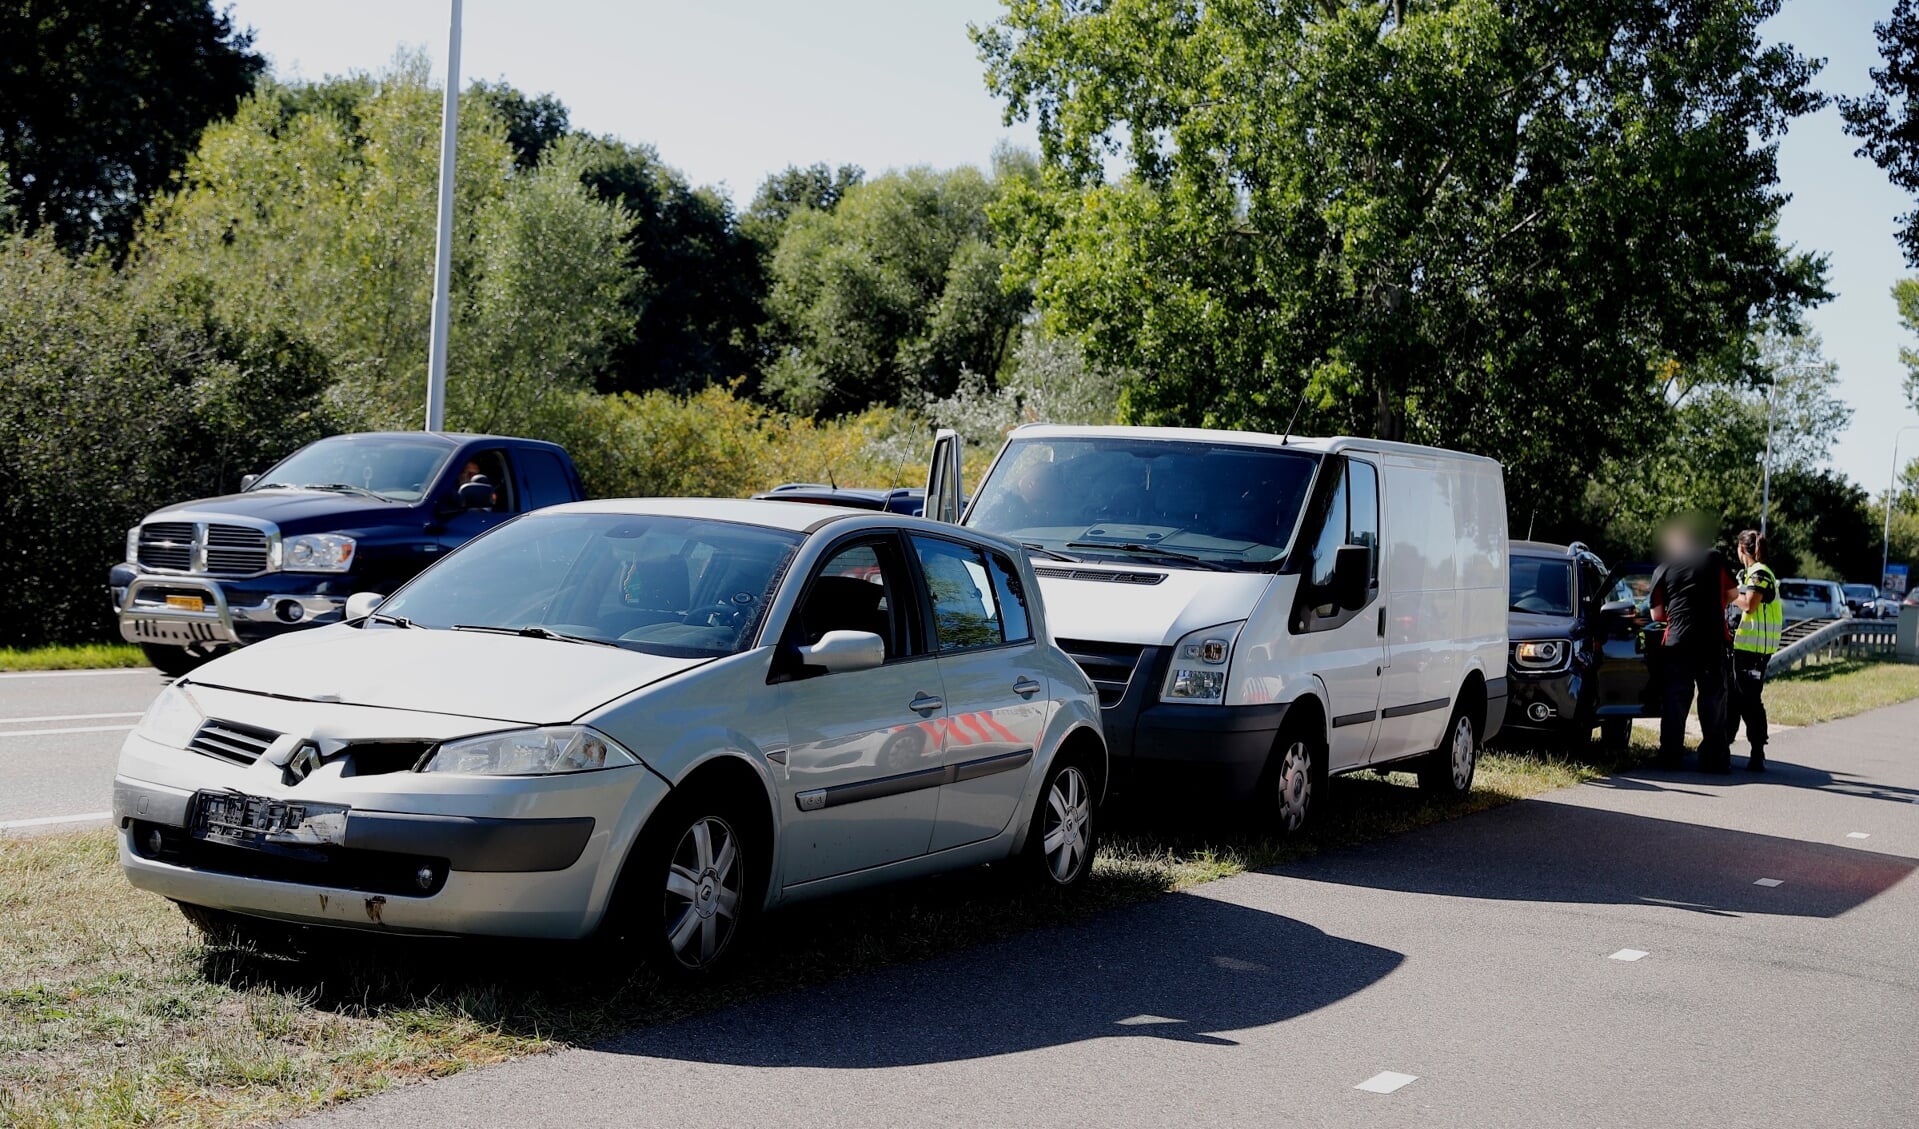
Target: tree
(1478,224)
(894,293)
(1885,120)
(532,123)
(101,101)
(787,191)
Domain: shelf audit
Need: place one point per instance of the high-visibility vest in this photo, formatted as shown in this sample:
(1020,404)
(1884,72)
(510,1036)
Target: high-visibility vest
(1759,628)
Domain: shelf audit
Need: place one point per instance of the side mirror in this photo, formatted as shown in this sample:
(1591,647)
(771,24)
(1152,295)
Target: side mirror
(838,652)
(363,604)
(1352,576)
(1616,607)
(477,494)
(247,481)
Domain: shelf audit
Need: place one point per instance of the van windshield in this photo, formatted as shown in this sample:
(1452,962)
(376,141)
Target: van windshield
(1170,502)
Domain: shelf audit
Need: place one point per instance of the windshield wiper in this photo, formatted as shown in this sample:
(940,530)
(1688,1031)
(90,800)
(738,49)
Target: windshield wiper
(534,631)
(395,620)
(347,488)
(1036,547)
(1153,551)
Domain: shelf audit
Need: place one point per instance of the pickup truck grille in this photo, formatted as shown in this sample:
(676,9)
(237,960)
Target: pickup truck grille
(231,742)
(1110,666)
(213,550)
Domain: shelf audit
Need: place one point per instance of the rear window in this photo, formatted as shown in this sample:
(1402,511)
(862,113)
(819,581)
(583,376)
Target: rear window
(1808,593)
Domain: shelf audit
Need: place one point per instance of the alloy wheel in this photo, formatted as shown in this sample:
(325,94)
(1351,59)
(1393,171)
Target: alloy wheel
(704,880)
(1295,785)
(1068,825)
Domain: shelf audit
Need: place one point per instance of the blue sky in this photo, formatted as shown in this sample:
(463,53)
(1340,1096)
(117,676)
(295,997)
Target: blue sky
(729,90)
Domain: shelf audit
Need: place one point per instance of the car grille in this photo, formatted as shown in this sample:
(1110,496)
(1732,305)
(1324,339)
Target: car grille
(223,550)
(1110,666)
(231,742)
(1146,578)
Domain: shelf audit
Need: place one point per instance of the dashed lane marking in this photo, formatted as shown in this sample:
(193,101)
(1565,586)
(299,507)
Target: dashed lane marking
(1628,954)
(67,729)
(1768,881)
(51,820)
(1386,1081)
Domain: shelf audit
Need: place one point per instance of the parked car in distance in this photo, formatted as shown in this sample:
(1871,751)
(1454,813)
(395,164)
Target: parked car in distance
(350,513)
(899,500)
(646,719)
(1865,601)
(1812,599)
(1260,611)
(1579,646)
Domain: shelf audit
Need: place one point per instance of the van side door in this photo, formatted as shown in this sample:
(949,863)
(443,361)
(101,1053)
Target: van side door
(1344,646)
(1425,659)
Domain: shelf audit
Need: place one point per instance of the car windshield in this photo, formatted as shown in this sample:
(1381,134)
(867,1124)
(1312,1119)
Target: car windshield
(1804,592)
(393,467)
(1541,585)
(674,586)
(1218,505)
(1860,591)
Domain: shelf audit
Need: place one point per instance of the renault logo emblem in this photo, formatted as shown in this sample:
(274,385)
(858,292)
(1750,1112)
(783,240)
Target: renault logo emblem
(305,759)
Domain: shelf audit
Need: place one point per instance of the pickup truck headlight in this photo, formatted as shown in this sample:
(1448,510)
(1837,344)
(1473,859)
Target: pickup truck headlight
(172,719)
(133,545)
(548,751)
(317,552)
(1198,672)
(1548,654)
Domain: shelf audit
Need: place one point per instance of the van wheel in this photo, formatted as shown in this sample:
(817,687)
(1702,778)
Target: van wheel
(1448,770)
(688,887)
(172,661)
(1060,844)
(1293,776)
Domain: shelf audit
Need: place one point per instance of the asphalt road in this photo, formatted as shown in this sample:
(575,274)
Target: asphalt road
(1481,958)
(60,735)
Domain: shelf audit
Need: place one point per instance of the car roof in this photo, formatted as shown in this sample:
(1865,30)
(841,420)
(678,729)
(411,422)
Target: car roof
(795,517)
(1307,443)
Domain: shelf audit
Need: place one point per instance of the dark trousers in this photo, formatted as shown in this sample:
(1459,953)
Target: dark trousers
(1748,699)
(1687,668)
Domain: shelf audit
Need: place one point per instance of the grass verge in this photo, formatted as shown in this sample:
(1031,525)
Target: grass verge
(113,1012)
(83,656)
(1832,690)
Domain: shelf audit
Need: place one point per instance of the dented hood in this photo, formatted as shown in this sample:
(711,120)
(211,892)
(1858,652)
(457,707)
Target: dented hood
(464,673)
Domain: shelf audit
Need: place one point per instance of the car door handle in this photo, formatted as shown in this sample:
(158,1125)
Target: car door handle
(926,703)
(1025,687)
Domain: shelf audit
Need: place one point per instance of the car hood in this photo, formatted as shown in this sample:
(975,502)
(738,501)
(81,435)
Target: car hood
(282,507)
(470,674)
(1532,625)
(1123,604)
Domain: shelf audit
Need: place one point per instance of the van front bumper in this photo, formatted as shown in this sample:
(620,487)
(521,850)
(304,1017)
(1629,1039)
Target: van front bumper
(1190,750)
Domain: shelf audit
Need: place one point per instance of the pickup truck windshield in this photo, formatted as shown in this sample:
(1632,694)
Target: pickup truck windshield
(391,467)
(1167,502)
(665,585)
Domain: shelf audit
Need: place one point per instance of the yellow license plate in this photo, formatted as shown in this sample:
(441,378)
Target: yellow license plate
(187,603)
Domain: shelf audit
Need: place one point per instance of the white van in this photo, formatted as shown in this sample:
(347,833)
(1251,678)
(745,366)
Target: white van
(1259,611)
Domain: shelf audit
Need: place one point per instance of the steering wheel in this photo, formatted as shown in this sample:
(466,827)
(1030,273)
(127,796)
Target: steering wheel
(703,616)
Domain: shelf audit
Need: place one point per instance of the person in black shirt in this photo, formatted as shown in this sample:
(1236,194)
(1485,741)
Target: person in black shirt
(1690,593)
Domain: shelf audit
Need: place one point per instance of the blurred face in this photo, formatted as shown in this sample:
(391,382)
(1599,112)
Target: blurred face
(469,472)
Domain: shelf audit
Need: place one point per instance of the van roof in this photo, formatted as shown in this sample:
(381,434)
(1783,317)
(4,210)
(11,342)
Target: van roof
(1249,438)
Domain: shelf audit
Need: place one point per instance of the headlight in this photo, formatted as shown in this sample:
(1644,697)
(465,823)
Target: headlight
(317,552)
(133,545)
(531,752)
(1541,655)
(1200,660)
(172,719)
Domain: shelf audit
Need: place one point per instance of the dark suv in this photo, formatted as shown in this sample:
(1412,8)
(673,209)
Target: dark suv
(1578,634)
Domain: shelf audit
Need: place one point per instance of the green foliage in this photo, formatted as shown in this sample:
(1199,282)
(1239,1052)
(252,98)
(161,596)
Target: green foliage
(1885,120)
(120,396)
(888,297)
(793,188)
(1048,380)
(1460,222)
(101,100)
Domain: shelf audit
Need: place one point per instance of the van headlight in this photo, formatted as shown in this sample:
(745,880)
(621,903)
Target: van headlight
(317,552)
(1548,654)
(548,751)
(1198,671)
(172,719)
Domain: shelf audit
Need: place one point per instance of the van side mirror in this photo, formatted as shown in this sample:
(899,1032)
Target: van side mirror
(1352,575)
(477,494)
(838,652)
(247,481)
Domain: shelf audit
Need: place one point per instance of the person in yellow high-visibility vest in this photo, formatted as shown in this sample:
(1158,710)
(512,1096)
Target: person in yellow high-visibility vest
(1761,619)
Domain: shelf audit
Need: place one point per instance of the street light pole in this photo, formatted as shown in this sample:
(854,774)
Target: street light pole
(1892,481)
(443,244)
(1765,488)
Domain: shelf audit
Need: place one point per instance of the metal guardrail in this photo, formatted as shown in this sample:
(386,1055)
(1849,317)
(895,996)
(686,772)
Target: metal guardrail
(1825,638)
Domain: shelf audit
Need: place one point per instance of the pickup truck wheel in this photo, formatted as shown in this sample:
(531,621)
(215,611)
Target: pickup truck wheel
(1615,733)
(172,661)
(1448,770)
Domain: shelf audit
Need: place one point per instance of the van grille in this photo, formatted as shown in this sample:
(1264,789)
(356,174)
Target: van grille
(231,742)
(1110,666)
(1146,578)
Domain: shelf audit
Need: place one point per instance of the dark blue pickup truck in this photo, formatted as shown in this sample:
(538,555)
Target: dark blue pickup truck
(351,513)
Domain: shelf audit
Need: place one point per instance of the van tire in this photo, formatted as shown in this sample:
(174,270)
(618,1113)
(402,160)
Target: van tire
(1448,770)
(1295,775)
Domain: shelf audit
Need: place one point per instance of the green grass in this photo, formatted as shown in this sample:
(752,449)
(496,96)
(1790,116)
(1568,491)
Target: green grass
(83,656)
(112,1010)
(1831,690)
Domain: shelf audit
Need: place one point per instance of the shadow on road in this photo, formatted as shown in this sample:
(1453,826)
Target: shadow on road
(1778,773)
(1183,967)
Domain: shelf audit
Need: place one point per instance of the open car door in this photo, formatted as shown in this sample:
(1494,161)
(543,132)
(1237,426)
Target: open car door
(1625,652)
(943,478)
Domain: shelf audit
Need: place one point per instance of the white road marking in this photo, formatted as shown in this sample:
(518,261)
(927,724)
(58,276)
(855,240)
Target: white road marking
(1857,835)
(50,820)
(144,671)
(69,729)
(1628,954)
(1144,1020)
(63,717)
(1768,882)
(1386,1081)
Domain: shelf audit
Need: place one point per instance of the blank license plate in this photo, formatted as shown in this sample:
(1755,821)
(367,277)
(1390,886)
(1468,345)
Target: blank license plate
(187,603)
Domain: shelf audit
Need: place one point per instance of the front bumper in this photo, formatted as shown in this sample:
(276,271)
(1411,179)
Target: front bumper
(231,612)
(1186,749)
(1543,701)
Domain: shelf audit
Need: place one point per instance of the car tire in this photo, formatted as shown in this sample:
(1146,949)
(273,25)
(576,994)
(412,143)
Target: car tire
(1064,834)
(172,661)
(1615,733)
(691,886)
(1295,775)
(1448,770)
